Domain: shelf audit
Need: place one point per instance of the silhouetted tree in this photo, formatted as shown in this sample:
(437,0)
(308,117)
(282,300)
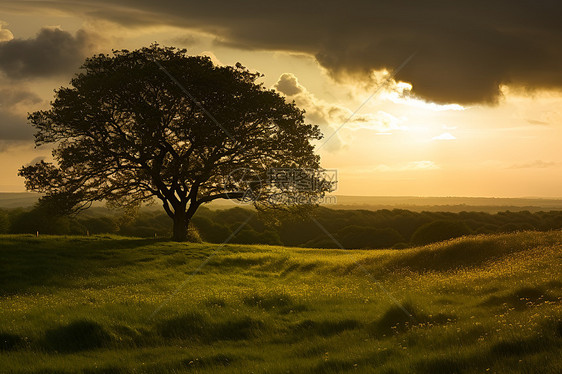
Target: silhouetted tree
(156,122)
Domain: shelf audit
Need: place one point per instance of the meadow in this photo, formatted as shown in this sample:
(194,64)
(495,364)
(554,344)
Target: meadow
(109,304)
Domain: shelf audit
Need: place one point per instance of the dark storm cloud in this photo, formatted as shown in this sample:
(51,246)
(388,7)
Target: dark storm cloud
(186,40)
(466,49)
(14,127)
(52,52)
(13,123)
(10,96)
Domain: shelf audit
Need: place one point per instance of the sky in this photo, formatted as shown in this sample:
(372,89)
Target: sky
(414,98)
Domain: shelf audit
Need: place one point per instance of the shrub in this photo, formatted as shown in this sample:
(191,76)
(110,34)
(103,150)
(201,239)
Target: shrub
(439,230)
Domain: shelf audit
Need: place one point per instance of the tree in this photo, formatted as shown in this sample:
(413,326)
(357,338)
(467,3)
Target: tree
(158,123)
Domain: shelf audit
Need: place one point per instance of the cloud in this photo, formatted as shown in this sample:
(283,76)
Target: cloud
(51,52)
(401,93)
(10,97)
(408,166)
(330,116)
(537,122)
(444,136)
(14,103)
(14,127)
(537,164)
(36,160)
(318,112)
(422,165)
(465,49)
(212,56)
(288,85)
(5,34)
(381,122)
(186,40)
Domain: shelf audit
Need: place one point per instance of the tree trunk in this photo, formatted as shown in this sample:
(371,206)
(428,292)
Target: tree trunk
(181,223)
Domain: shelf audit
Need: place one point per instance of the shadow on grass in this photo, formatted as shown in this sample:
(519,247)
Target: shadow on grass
(449,365)
(449,255)
(324,328)
(219,359)
(265,263)
(215,302)
(521,298)
(395,320)
(467,252)
(10,342)
(301,268)
(373,360)
(519,346)
(28,262)
(80,335)
(198,328)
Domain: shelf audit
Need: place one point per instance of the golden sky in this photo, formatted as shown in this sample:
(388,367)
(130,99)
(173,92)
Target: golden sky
(480,120)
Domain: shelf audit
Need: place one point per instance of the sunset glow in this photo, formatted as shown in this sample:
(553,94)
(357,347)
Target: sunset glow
(512,143)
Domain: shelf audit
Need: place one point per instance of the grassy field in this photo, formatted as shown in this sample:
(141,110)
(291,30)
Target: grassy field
(482,304)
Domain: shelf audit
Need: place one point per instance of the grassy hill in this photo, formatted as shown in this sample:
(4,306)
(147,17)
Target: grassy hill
(117,305)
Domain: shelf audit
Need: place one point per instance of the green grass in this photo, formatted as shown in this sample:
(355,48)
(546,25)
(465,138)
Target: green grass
(477,304)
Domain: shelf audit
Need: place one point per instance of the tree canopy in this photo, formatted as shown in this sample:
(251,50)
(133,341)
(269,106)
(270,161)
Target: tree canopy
(158,123)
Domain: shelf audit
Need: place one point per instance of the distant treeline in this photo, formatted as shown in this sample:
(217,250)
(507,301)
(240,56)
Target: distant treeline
(351,228)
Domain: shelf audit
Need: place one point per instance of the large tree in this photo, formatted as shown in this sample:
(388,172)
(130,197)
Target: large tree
(158,123)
